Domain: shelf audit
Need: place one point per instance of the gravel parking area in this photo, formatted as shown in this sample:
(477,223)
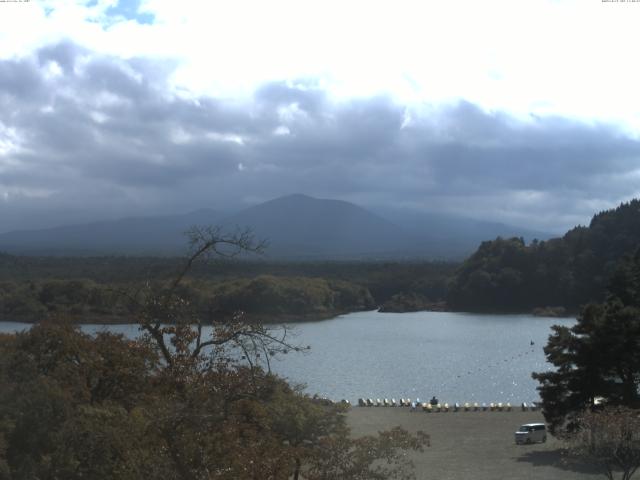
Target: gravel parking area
(474,445)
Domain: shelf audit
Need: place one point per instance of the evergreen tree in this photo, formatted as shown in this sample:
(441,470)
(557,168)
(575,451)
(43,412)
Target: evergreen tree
(599,357)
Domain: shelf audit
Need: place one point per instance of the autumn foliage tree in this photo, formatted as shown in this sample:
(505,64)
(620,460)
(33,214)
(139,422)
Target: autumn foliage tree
(192,398)
(610,439)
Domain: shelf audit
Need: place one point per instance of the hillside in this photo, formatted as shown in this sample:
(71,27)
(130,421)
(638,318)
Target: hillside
(509,275)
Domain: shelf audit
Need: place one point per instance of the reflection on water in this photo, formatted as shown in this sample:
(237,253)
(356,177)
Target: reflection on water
(458,357)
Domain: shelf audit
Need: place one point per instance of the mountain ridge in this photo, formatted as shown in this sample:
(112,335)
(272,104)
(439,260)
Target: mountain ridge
(297,226)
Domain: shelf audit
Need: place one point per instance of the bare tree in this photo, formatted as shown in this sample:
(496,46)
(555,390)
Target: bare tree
(611,439)
(168,317)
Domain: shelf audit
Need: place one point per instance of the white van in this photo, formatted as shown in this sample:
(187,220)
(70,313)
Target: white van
(531,432)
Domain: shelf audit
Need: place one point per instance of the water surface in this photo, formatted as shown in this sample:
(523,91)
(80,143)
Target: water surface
(458,357)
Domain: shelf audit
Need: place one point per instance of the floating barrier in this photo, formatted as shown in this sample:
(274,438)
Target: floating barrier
(444,407)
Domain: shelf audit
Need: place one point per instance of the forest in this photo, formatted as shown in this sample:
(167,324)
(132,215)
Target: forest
(568,272)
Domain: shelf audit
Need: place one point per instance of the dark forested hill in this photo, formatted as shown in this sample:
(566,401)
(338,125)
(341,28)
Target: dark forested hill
(508,275)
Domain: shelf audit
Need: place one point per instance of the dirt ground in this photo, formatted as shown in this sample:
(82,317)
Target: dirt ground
(474,445)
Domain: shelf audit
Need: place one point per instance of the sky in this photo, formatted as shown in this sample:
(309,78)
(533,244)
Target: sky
(524,112)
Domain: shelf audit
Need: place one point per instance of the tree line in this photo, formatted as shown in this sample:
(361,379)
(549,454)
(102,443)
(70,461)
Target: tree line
(33,288)
(266,296)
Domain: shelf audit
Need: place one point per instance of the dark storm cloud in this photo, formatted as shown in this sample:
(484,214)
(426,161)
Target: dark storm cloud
(97,136)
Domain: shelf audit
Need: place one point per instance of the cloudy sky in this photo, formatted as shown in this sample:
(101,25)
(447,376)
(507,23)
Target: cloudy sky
(526,112)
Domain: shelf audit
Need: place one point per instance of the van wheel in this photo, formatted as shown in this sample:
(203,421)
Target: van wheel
(528,442)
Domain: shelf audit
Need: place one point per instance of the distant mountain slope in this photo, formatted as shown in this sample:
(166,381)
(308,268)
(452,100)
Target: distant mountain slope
(450,236)
(506,274)
(141,235)
(304,227)
(296,227)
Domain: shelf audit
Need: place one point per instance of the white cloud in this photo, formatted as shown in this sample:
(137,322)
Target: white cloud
(572,57)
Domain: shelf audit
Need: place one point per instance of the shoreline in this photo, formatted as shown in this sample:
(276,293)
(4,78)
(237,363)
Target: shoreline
(267,319)
(118,320)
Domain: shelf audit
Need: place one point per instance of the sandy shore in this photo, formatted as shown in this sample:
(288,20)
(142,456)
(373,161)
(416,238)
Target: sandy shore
(474,445)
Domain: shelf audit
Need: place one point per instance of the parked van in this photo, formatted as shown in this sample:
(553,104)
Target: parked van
(531,432)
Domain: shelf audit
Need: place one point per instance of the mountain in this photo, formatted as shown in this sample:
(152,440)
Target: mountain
(295,226)
(299,226)
(135,235)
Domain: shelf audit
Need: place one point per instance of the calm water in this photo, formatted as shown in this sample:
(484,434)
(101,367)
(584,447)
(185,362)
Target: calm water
(458,357)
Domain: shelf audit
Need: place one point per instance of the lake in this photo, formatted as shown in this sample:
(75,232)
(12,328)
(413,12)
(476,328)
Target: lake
(459,357)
